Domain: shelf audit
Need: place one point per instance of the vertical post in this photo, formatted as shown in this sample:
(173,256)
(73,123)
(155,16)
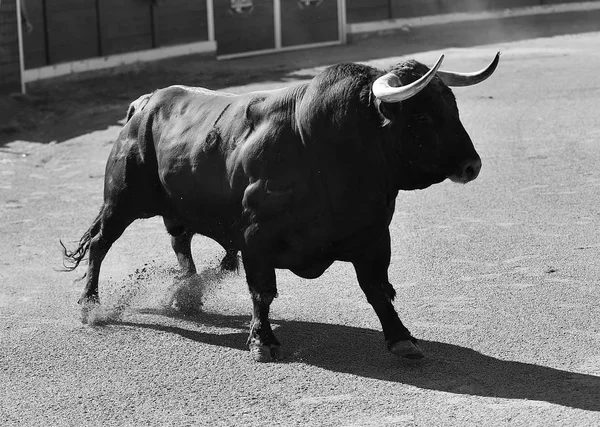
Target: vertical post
(152,25)
(277,20)
(210,20)
(342,20)
(21,51)
(98,28)
(46,33)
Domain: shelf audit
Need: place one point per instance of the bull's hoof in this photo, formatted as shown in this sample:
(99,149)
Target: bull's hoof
(88,305)
(187,308)
(186,295)
(90,300)
(265,353)
(407,349)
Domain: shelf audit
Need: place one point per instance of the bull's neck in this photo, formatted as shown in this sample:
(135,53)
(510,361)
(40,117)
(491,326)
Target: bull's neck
(394,164)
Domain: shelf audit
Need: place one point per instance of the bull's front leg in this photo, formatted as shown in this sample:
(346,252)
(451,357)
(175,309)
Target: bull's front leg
(372,273)
(260,276)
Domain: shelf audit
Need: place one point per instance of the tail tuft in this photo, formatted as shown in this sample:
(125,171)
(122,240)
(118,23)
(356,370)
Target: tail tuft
(72,259)
(231,261)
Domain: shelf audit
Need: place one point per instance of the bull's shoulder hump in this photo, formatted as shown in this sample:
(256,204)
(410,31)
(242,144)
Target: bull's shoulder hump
(187,102)
(178,92)
(278,104)
(198,90)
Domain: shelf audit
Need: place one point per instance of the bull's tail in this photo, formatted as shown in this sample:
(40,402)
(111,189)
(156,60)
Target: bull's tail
(231,261)
(72,259)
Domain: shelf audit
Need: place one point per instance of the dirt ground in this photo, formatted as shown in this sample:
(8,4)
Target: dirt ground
(499,278)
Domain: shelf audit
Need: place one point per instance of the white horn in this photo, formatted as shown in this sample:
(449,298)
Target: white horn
(467,79)
(386,87)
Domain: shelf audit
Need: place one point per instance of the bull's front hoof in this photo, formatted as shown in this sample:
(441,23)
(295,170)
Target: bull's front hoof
(265,353)
(407,349)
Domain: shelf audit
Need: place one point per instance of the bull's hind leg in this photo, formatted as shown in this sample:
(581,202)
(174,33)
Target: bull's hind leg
(261,280)
(181,242)
(107,228)
(186,292)
(371,271)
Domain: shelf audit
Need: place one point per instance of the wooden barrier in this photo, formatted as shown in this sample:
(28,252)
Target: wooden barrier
(10,71)
(78,35)
(73,30)
(378,10)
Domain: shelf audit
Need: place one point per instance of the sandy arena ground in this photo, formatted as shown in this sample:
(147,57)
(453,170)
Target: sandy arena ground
(498,278)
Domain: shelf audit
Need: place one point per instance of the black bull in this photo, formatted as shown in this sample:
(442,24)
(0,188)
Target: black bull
(295,178)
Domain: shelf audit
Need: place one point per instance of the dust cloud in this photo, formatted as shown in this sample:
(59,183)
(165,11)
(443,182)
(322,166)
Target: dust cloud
(153,287)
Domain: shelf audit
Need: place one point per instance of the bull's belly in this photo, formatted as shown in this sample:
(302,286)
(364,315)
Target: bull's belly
(308,262)
(306,258)
(312,270)
(210,220)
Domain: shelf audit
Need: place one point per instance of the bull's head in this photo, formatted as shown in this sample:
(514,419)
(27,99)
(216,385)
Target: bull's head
(421,110)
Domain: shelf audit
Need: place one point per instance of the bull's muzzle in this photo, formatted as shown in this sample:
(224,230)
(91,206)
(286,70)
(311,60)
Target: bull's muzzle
(467,171)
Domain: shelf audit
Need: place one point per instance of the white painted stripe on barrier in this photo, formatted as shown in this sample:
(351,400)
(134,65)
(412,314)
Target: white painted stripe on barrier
(420,21)
(283,49)
(111,61)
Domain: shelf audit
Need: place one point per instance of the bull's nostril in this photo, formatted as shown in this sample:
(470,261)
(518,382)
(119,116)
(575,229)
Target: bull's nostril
(469,172)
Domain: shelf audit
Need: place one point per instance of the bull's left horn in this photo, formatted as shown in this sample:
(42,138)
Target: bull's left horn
(467,79)
(383,89)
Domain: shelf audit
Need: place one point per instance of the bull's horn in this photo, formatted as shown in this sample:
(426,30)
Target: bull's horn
(386,87)
(467,79)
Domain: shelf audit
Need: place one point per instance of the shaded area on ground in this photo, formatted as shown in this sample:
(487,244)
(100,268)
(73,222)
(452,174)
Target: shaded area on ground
(64,108)
(358,351)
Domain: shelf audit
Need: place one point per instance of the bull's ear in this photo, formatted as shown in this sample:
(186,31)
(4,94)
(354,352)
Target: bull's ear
(388,111)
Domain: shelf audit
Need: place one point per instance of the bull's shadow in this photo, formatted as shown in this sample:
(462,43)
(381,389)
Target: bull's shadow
(449,368)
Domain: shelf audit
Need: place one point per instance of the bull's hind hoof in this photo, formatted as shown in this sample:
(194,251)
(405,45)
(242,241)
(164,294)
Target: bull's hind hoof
(407,349)
(88,304)
(265,353)
(89,300)
(187,295)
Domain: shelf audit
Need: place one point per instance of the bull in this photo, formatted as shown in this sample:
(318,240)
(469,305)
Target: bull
(294,178)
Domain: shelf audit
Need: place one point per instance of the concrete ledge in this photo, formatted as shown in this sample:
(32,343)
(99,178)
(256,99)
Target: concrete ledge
(112,61)
(277,50)
(365,28)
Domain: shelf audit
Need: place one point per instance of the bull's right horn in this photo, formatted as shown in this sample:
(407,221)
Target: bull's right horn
(452,78)
(386,87)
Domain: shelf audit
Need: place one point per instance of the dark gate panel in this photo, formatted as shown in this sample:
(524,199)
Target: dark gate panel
(10,68)
(411,8)
(72,31)
(449,6)
(125,26)
(180,21)
(34,43)
(309,21)
(366,11)
(246,31)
